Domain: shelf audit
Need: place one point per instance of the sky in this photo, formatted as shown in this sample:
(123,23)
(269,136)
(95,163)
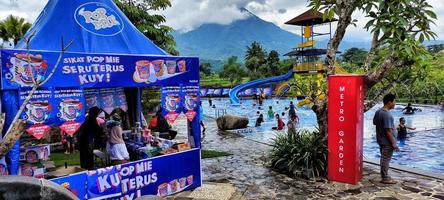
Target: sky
(186,15)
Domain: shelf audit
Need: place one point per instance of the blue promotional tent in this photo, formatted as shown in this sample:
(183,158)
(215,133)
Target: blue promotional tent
(70,19)
(107,51)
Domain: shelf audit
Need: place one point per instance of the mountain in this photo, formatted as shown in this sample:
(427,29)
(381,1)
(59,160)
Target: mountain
(215,41)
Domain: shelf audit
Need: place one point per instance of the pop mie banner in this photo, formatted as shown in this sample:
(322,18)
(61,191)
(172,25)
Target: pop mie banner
(154,176)
(171,102)
(96,70)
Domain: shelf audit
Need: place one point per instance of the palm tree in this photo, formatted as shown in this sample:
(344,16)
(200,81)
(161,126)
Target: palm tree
(13,28)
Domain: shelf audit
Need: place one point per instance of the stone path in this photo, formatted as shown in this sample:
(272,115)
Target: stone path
(247,171)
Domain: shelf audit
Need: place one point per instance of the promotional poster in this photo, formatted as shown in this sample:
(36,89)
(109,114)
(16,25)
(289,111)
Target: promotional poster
(191,101)
(70,109)
(39,112)
(171,102)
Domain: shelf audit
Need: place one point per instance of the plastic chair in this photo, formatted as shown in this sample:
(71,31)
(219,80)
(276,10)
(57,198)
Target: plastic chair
(102,157)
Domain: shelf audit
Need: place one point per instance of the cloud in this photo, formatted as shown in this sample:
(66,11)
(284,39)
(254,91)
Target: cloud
(186,15)
(282,10)
(22,8)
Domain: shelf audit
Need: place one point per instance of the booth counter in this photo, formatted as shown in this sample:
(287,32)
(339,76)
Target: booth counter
(62,102)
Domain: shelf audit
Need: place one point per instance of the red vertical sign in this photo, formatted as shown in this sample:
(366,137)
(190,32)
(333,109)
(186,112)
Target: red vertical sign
(345,127)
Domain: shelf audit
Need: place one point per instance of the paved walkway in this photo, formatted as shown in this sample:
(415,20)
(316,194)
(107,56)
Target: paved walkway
(246,173)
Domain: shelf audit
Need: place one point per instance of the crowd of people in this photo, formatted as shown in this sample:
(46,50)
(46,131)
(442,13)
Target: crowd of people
(293,118)
(96,133)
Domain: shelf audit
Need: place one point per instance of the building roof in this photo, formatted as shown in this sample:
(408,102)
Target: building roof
(309,18)
(308,52)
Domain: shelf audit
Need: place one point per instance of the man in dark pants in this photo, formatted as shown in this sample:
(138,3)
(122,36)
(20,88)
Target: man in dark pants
(384,135)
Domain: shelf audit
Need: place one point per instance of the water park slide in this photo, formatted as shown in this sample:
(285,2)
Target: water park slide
(233,92)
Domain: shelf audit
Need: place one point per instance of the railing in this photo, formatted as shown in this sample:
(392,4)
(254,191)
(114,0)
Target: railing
(309,66)
(220,112)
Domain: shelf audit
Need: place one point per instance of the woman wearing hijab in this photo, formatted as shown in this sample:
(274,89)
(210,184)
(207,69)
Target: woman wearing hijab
(87,132)
(115,146)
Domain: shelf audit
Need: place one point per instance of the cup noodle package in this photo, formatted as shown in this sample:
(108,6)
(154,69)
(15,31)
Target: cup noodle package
(34,154)
(32,171)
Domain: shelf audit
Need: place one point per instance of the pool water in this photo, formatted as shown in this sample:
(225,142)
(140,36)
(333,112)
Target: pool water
(422,150)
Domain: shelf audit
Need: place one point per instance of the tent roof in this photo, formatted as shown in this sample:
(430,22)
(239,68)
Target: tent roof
(95,26)
(309,18)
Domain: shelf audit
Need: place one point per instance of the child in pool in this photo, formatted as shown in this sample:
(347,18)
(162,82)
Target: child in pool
(280,123)
(270,112)
(402,129)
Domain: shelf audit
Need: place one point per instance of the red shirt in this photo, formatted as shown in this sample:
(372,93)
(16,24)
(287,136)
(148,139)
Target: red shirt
(280,124)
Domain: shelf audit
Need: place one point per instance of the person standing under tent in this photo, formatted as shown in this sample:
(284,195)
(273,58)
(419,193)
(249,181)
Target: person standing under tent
(163,127)
(87,132)
(115,146)
(384,123)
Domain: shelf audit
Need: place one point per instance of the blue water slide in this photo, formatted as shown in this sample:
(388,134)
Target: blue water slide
(233,92)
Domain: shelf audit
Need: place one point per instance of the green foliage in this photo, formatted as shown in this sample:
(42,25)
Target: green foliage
(151,25)
(255,56)
(205,68)
(13,28)
(273,62)
(295,153)
(60,158)
(232,71)
(436,48)
(353,59)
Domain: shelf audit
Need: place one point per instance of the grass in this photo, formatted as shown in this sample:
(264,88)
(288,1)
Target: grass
(213,154)
(60,158)
(215,81)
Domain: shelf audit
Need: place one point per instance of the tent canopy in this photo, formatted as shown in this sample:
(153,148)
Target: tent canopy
(95,26)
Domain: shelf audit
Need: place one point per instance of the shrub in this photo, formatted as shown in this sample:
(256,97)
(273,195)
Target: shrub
(300,153)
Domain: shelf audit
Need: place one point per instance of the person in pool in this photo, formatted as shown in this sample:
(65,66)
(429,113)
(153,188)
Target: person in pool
(292,110)
(270,112)
(259,120)
(280,123)
(409,109)
(402,129)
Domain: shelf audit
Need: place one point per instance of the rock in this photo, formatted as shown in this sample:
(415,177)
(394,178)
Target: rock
(229,122)
(22,187)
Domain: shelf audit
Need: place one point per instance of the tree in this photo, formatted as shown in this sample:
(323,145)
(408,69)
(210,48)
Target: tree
(17,127)
(435,48)
(205,68)
(151,25)
(354,58)
(255,56)
(273,62)
(398,28)
(13,28)
(232,70)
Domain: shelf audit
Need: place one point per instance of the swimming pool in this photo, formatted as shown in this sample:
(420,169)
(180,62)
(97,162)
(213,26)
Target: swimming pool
(422,149)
